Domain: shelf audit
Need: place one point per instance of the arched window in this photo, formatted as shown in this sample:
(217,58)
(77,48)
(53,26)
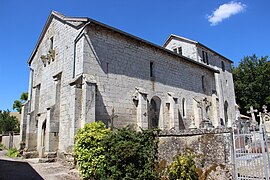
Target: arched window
(154,112)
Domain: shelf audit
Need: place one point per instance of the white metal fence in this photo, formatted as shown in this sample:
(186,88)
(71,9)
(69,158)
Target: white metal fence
(251,156)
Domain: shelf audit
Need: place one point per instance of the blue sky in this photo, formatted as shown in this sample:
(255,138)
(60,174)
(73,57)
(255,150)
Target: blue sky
(233,28)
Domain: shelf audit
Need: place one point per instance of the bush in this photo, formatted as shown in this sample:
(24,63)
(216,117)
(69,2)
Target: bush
(13,152)
(183,168)
(89,151)
(124,154)
(131,155)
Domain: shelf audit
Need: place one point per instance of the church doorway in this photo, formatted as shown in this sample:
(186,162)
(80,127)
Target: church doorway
(154,112)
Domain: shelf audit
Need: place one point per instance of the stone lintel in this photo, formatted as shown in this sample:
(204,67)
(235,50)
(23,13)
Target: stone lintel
(173,95)
(57,76)
(35,86)
(76,81)
(87,78)
(141,90)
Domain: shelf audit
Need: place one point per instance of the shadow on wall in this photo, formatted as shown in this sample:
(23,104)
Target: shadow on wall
(17,170)
(181,121)
(101,110)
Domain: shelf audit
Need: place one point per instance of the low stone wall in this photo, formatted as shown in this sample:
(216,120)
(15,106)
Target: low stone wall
(212,150)
(5,140)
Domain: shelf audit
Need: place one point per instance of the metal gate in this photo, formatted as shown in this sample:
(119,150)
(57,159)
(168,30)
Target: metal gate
(251,156)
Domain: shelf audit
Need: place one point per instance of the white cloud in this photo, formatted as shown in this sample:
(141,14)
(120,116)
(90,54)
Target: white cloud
(225,11)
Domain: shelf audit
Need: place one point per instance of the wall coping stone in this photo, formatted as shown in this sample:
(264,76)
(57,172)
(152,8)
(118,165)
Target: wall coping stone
(192,132)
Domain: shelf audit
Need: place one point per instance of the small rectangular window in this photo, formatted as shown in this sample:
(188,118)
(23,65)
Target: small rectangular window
(151,69)
(222,66)
(205,57)
(175,50)
(51,43)
(203,83)
(179,50)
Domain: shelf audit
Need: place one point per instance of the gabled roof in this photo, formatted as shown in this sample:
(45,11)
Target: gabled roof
(85,20)
(172,36)
(52,15)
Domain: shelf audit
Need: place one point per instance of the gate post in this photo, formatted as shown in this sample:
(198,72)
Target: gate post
(10,144)
(234,154)
(265,156)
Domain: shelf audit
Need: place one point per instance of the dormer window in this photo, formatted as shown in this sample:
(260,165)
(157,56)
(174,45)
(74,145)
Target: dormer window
(178,50)
(205,57)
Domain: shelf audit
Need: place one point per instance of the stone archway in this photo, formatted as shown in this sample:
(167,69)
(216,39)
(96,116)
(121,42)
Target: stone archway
(154,112)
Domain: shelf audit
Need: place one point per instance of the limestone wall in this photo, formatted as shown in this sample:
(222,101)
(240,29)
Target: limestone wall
(212,148)
(121,64)
(224,83)
(6,141)
(224,80)
(43,98)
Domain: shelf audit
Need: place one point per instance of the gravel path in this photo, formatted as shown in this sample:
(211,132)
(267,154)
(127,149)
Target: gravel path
(17,168)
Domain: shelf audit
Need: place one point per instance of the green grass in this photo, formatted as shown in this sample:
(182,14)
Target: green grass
(13,152)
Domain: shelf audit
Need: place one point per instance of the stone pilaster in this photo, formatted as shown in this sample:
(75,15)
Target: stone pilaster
(142,109)
(174,119)
(88,100)
(215,111)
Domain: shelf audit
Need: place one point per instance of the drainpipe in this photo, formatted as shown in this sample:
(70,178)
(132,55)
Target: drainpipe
(74,53)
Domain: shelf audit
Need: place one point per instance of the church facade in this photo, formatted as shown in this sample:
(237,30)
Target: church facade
(83,71)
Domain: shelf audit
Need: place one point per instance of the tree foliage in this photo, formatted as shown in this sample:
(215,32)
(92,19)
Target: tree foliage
(8,122)
(17,105)
(252,82)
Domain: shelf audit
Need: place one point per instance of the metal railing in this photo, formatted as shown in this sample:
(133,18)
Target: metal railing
(251,152)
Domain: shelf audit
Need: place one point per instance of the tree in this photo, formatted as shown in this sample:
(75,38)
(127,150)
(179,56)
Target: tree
(17,105)
(252,82)
(8,122)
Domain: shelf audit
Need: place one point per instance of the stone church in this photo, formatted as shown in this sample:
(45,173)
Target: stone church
(83,71)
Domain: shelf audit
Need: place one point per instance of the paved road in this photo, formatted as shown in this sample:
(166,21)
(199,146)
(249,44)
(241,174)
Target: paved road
(24,169)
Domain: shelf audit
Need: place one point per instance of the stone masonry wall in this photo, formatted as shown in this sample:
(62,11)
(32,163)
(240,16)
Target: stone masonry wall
(212,149)
(63,36)
(224,79)
(120,64)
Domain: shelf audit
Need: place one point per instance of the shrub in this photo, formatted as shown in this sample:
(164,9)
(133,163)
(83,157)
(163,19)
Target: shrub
(89,150)
(131,155)
(2,147)
(183,168)
(13,152)
(124,154)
